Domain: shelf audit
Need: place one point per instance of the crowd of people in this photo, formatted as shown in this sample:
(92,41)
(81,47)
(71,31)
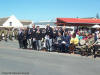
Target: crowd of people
(8,34)
(57,39)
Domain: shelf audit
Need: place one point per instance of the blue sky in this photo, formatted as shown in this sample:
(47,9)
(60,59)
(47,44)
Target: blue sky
(37,10)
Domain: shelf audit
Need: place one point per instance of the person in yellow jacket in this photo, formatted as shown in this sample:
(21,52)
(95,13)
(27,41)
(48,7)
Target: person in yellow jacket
(73,42)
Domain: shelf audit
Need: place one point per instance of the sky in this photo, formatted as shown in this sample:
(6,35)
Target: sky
(43,10)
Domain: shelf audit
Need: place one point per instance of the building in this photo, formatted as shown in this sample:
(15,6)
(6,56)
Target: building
(77,22)
(43,24)
(26,23)
(12,21)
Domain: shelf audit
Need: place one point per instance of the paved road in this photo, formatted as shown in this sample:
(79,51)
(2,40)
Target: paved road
(33,62)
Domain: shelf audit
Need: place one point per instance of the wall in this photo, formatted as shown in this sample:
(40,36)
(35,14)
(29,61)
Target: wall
(15,22)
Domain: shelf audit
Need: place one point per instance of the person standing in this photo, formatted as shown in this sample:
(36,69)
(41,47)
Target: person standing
(38,38)
(33,37)
(20,38)
(5,34)
(49,34)
(10,34)
(28,36)
(25,39)
(15,34)
(0,34)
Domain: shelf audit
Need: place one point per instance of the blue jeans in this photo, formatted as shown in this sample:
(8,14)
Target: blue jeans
(49,44)
(38,44)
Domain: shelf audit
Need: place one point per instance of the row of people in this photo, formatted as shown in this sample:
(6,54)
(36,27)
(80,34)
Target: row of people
(6,34)
(35,36)
(54,39)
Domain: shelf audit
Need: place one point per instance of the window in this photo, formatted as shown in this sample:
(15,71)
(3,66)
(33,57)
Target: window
(10,23)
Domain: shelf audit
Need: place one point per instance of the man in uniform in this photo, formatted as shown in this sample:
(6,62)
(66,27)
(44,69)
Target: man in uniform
(10,34)
(16,34)
(90,41)
(5,34)
(0,34)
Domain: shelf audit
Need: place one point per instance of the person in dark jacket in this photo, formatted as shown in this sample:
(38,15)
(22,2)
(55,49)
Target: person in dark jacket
(59,41)
(49,33)
(38,38)
(20,38)
(28,36)
(33,37)
(25,39)
(55,32)
(67,38)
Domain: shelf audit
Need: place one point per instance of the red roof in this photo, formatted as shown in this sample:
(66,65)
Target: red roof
(79,20)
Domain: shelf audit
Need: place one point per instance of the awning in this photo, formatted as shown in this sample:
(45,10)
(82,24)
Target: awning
(96,26)
(79,20)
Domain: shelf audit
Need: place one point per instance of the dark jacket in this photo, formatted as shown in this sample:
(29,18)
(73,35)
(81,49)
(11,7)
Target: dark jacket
(28,34)
(43,33)
(49,31)
(38,35)
(67,39)
(55,33)
(20,36)
(33,33)
(60,39)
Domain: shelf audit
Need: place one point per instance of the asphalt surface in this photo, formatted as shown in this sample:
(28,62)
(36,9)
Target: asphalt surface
(15,61)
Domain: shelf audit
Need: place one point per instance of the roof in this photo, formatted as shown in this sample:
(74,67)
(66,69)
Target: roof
(45,23)
(2,20)
(79,20)
(26,22)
